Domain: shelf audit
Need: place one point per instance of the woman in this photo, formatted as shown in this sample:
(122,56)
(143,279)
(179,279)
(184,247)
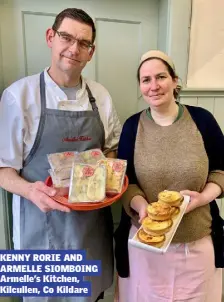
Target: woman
(171,146)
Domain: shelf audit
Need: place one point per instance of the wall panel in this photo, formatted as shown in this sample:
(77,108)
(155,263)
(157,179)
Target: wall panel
(122,64)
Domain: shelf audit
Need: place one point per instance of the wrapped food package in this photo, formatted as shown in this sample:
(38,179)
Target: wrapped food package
(88,183)
(116,169)
(63,173)
(63,160)
(59,182)
(91,156)
(61,166)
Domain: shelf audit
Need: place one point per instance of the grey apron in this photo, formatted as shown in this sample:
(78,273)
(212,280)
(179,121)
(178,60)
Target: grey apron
(91,230)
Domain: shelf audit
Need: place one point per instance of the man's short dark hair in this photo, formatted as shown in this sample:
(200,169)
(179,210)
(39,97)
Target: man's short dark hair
(75,14)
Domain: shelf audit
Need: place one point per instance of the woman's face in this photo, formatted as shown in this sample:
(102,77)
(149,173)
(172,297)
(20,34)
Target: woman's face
(156,84)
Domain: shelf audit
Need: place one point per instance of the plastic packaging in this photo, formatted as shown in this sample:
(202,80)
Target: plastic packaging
(62,160)
(62,173)
(116,169)
(91,156)
(88,183)
(59,182)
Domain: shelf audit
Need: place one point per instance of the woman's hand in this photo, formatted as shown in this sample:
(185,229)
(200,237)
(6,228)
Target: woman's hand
(210,192)
(139,204)
(142,213)
(196,200)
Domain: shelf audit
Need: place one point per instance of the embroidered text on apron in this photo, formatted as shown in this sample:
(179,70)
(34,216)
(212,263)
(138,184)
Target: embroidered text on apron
(67,131)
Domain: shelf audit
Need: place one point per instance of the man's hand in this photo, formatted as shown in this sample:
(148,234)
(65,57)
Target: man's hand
(40,194)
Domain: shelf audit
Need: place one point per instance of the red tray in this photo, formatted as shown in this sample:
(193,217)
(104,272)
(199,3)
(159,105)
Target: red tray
(87,206)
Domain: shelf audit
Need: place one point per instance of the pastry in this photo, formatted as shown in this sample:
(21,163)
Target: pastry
(172,198)
(159,211)
(156,241)
(175,211)
(155,228)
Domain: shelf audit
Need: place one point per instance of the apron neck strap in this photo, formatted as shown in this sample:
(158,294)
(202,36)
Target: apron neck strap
(92,100)
(42,92)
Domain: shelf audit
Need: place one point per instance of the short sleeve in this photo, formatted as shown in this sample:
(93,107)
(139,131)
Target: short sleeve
(113,131)
(11,132)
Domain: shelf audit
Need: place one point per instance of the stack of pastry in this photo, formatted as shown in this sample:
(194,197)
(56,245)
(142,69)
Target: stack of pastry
(160,218)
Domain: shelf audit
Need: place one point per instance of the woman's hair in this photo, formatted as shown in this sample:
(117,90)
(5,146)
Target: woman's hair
(171,71)
(75,14)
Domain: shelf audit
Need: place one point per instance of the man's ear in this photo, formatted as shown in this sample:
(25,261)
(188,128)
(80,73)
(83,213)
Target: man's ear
(91,52)
(50,33)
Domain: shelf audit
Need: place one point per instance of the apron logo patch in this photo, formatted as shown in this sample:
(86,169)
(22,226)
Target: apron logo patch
(77,139)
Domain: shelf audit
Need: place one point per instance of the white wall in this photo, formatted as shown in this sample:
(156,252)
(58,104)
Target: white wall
(206,62)
(163,25)
(178,35)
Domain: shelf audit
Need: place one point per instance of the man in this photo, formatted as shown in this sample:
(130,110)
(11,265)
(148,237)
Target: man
(32,126)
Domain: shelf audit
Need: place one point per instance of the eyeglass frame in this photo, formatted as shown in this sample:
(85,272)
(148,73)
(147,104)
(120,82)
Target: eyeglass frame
(73,40)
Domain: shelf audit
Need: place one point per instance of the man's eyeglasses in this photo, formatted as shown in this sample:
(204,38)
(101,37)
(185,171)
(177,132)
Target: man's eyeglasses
(70,40)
